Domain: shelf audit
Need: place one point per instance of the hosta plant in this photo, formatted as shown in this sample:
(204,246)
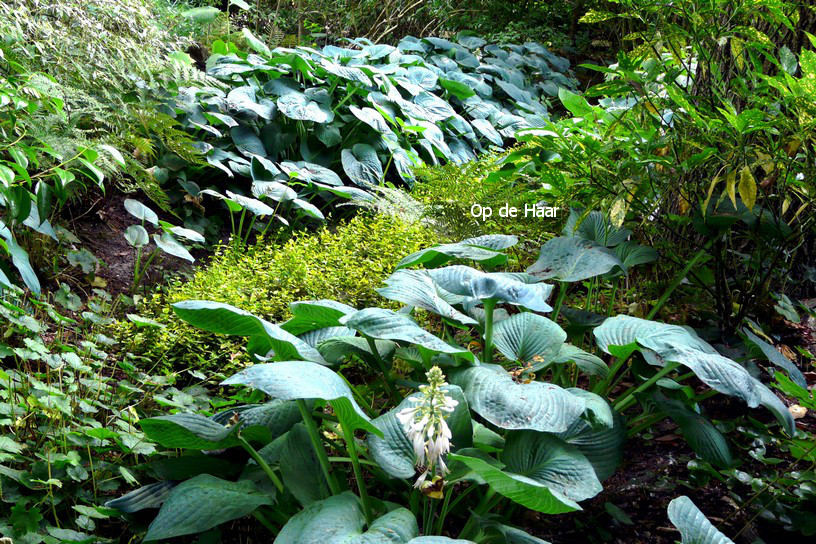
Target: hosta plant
(489,405)
(167,240)
(305,127)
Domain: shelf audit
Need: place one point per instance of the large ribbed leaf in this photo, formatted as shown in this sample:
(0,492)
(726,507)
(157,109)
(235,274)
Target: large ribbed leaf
(362,165)
(389,325)
(524,336)
(308,315)
(586,362)
(703,437)
(472,283)
(301,107)
(481,248)
(499,533)
(573,259)
(775,357)
(694,527)
(291,380)
(204,502)
(394,452)
(141,212)
(623,334)
(602,446)
(493,394)
(417,288)
(263,336)
(149,496)
(339,348)
(551,461)
(278,416)
(595,227)
(542,473)
(340,520)
(300,468)
(661,343)
(190,431)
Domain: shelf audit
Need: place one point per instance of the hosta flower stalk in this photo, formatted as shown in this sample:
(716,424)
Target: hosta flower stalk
(426,426)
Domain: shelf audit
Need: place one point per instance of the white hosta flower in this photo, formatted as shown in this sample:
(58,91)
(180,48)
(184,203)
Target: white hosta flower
(425,425)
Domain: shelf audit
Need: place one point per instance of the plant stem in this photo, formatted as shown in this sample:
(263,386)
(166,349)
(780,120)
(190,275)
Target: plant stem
(348,435)
(489,305)
(317,444)
(395,396)
(628,398)
(261,463)
(562,292)
(679,278)
(265,522)
(444,512)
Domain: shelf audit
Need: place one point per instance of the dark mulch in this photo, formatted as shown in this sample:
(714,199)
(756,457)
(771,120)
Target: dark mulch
(101,225)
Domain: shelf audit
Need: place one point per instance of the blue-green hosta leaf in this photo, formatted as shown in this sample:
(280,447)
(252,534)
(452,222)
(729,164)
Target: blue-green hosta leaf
(274,190)
(371,117)
(149,496)
(394,451)
(204,502)
(438,540)
(499,533)
(351,73)
(472,42)
(378,51)
(438,109)
(362,165)
(417,288)
(190,431)
(252,204)
(602,446)
(777,358)
(291,380)
(550,461)
(469,282)
(328,134)
(339,348)
(480,249)
(701,434)
(277,416)
(623,334)
(300,468)
(573,259)
(493,394)
(633,254)
(300,107)
(549,472)
(388,325)
(460,152)
(729,378)
(525,336)
(263,169)
(595,227)
(598,412)
(422,77)
(694,527)
(484,128)
(264,336)
(340,520)
(170,245)
(311,172)
(137,236)
(308,315)
(586,362)
(141,212)
(246,141)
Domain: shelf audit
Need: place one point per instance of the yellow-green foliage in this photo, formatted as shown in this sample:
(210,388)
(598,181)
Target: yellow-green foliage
(345,263)
(448,192)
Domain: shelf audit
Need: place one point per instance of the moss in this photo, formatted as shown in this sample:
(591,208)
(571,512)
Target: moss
(346,263)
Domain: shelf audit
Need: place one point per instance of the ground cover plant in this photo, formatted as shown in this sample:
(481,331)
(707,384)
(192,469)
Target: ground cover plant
(244,296)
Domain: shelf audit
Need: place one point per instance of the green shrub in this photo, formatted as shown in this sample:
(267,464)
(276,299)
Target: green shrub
(346,263)
(448,192)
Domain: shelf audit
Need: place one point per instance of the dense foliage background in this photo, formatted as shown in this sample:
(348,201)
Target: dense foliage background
(244,295)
